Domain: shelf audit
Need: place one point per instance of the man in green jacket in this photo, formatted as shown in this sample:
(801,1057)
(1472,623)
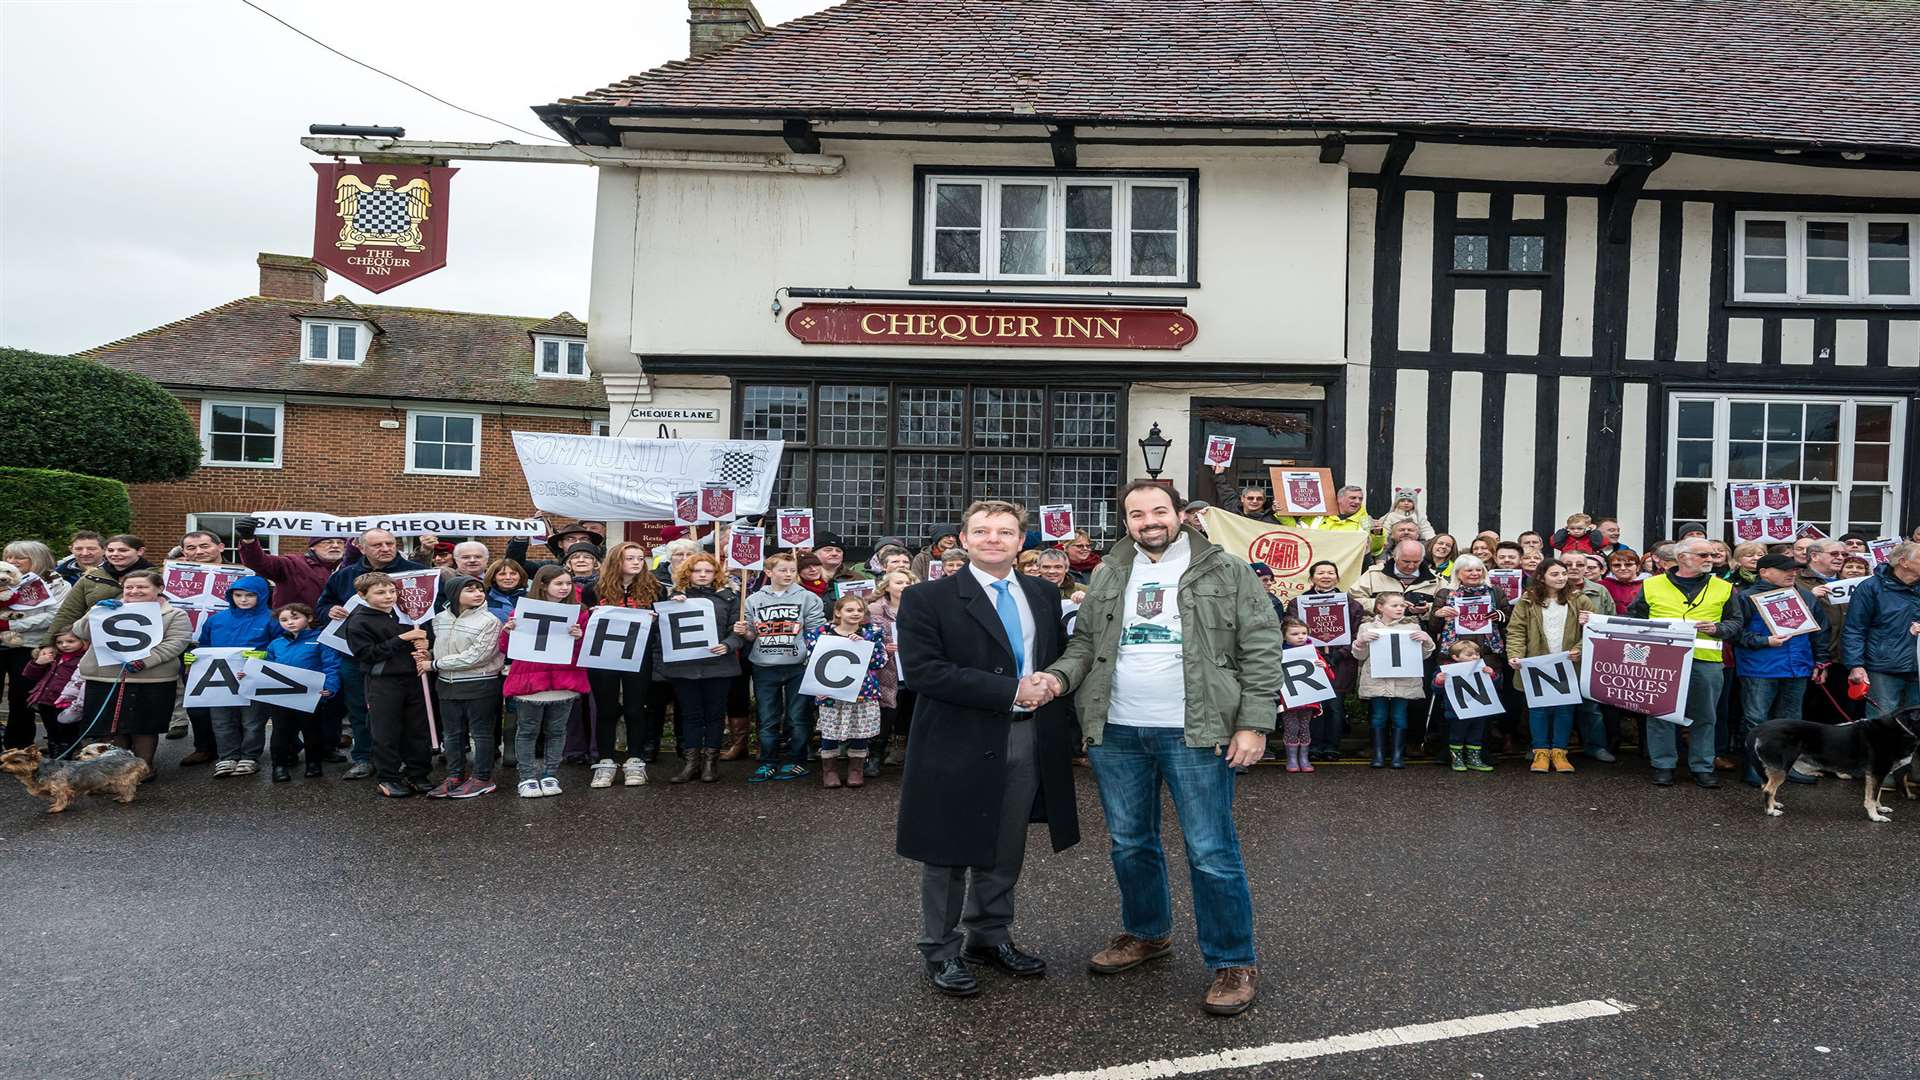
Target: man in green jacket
(1175,662)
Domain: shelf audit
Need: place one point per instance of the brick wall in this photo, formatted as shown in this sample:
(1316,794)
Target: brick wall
(339,460)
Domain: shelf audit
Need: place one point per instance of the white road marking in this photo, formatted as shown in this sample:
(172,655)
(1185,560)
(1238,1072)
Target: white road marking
(1347,1044)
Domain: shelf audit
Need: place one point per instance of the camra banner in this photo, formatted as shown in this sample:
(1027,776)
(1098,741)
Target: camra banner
(1640,665)
(595,478)
(1287,550)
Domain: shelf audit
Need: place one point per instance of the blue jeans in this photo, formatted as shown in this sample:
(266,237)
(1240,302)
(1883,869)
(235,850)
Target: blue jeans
(1762,700)
(777,696)
(1385,712)
(1593,728)
(1130,763)
(1703,705)
(1889,693)
(1552,726)
(353,687)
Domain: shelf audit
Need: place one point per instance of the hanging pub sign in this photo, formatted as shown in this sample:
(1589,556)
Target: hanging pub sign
(995,325)
(381,225)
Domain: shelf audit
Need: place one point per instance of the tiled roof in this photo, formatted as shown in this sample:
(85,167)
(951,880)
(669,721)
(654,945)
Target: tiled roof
(561,325)
(1840,72)
(254,343)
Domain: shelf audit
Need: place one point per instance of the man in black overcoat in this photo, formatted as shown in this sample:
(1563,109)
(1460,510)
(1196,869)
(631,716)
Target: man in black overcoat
(988,751)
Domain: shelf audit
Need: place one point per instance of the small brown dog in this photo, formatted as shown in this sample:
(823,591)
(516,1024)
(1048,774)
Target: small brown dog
(99,767)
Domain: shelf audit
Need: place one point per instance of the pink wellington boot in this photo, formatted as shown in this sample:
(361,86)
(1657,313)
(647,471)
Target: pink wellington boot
(1306,763)
(1293,759)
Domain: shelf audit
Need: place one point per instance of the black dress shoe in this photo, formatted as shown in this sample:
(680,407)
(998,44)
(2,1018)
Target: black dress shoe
(314,769)
(336,757)
(1663,777)
(419,785)
(951,976)
(1008,958)
(1706,780)
(281,775)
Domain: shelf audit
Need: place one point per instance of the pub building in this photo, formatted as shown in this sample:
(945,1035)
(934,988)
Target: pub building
(1528,257)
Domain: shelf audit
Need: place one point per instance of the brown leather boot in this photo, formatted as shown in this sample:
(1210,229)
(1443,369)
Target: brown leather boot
(708,772)
(1127,951)
(829,771)
(737,728)
(856,771)
(689,768)
(1233,990)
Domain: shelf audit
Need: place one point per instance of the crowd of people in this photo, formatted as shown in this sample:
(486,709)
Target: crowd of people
(743,699)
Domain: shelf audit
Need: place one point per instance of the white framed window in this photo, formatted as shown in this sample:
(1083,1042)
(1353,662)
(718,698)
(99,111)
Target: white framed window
(603,427)
(241,434)
(1844,457)
(443,443)
(1056,228)
(221,525)
(1826,258)
(326,342)
(559,357)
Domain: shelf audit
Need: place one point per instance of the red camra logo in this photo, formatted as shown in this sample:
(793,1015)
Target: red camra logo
(1286,552)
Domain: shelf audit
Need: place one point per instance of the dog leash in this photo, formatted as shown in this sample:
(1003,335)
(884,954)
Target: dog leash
(81,739)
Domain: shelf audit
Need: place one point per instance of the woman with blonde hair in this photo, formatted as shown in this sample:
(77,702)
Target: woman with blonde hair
(625,581)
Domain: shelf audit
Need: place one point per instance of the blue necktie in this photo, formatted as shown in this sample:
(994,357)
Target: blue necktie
(1010,618)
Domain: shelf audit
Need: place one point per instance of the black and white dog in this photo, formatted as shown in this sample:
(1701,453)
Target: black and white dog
(1875,749)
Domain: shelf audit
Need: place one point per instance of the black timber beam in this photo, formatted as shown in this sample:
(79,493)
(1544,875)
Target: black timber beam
(1633,164)
(1066,149)
(800,136)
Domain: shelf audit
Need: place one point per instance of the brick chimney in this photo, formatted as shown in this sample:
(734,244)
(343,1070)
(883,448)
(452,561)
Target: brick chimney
(714,24)
(292,277)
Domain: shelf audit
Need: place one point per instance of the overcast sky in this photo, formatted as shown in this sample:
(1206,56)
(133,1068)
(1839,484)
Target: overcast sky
(150,149)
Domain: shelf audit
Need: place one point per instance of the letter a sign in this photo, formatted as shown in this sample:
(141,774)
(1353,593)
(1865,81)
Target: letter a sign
(381,225)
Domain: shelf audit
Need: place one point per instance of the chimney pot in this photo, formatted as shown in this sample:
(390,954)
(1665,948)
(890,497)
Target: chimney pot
(292,277)
(715,24)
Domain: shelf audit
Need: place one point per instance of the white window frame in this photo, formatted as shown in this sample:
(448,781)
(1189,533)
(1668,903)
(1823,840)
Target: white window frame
(1796,229)
(412,446)
(362,338)
(1057,184)
(271,544)
(540,343)
(1843,484)
(206,432)
(602,428)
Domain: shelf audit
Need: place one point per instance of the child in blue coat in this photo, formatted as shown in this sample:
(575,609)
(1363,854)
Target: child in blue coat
(298,645)
(247,623)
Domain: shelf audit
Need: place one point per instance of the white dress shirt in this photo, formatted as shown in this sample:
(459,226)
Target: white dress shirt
(989,584)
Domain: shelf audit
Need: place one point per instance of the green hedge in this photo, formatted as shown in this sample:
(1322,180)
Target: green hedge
(85,417)
(50,506)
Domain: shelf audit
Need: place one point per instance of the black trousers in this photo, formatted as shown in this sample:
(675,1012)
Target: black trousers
(702,710)
(20,715)
(397,727)
(59,735)
(634,697)
(293,729)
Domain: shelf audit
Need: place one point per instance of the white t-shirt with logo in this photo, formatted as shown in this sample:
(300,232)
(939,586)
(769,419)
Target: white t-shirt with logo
(1149,682)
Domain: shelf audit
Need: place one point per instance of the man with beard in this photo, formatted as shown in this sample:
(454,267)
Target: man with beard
(1175,664)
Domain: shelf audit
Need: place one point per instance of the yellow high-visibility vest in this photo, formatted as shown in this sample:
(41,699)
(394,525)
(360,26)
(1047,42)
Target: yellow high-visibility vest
(1666,601)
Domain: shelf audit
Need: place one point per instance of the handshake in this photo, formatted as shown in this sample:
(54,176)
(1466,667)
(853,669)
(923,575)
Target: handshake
(1036,690)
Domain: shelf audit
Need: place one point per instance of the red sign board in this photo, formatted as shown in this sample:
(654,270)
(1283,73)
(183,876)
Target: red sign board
(997,325)
(380,225)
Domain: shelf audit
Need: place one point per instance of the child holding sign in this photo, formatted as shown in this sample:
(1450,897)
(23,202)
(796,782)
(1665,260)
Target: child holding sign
(846,727)
(239,731)
(385,648)
(298,645)
(1548,619)
(1296,725)
(466,666)
(543,694)
(1464,733)
(700,685)
(132,703)
(1388,696)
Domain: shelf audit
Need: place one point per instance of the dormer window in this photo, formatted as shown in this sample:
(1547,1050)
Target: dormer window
(327,342)
(559,357)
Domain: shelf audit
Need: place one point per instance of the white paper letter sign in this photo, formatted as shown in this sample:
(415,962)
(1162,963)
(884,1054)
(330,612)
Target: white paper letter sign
(616,638)
(1056,522)
(1548,680)
(539,631)
(1302,680)
(1470,690)
(689,629)
(124,634)
(335,635)
(279,684)
(1395,655)
(1841,592)
(213,679)
(837,667)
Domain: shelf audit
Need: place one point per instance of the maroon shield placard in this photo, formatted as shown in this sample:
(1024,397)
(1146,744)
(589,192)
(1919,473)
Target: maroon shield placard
(1509,582)
(1777,496)
(936,570)
(380,225)
(1747,528)
(1220,450)
(1326,619)
(1056,522)
(185,582)
(716,502)
(744,547)
(417,594)
(1809,531)
(1473,615)
(223,579)
(1780,527)
(1638,676)
(1787,612)
(1305,491)
(1746,498)
(1150,601)
(686,507)
(31,594)
(796,528)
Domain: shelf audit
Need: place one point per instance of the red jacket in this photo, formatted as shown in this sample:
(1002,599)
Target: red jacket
(531,676)
(299,578)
